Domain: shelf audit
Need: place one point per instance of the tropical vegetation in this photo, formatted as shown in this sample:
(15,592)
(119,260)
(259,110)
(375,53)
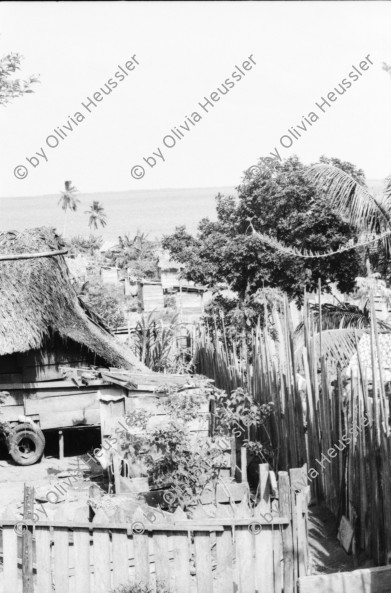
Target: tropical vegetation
(281,203)
(68,201)
(11,87)
(96,215)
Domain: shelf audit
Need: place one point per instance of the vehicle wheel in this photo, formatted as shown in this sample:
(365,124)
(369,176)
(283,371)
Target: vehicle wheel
(26,444)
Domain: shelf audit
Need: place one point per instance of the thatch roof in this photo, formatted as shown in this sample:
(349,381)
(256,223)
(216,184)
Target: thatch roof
(37,300)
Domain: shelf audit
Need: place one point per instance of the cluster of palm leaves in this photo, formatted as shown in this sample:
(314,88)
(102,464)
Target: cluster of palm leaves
(80,244)
(138,255)
(154,344)
(338,329)
(97,215)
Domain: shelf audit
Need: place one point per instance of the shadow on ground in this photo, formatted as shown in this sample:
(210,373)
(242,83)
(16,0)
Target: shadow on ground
(327,555)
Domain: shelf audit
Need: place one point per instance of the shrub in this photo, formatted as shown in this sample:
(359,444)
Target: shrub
(155,343)
(170,453)
(104,300)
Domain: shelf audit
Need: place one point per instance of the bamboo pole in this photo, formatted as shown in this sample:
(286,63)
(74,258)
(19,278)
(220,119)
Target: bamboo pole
(19,256)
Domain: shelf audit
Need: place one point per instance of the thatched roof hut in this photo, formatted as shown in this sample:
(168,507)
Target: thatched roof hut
(38,303)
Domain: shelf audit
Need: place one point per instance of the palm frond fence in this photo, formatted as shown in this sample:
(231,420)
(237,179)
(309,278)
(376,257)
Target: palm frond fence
(338,427)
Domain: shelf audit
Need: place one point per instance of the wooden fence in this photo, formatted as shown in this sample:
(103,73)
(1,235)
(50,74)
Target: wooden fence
(367,580)
(341,432)
(240,550)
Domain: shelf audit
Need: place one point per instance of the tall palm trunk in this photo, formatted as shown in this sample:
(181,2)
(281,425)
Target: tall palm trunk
(65,223)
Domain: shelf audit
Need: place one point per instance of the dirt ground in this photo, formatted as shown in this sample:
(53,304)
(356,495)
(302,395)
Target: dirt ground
(43,476)
(327,554)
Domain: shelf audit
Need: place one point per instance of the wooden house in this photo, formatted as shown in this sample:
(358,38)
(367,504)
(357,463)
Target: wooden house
(190,299)
(151,296)
(169,270)
(110,275)
(44,325)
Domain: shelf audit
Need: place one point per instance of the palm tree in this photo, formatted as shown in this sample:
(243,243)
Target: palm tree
(68,200)
(370,215)
(352,199)
(97,215)
(341,325)
(139,242)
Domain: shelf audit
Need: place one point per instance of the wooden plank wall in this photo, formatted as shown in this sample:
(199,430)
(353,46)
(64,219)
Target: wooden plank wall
(44,364)
(217,559)
(204,555)
(368,580)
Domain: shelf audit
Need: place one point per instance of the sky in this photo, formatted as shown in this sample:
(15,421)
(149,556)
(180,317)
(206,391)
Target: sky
(185,50)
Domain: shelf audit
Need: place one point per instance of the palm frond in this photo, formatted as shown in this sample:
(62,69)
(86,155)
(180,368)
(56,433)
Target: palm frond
(385,200)
(342,316)
(349,198)
(338,345)
(307,254)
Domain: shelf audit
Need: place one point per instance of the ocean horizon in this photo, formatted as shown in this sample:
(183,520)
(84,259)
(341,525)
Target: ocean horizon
(156,212)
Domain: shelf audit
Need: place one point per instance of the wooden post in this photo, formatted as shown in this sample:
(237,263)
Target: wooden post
(95,494)
(117,485)
(61,444)
(287,535)
(27,541)
(233,456)
(243,463)
(301,535)
(293,481)
(264,488)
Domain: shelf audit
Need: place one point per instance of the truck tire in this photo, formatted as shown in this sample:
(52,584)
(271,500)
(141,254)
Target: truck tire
(26,444)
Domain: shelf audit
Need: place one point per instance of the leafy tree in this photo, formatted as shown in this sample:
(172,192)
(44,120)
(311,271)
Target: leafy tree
(357,174)
(283,204)
(97,215)
(138,256)
(68,200)
(10,87)
(105,302)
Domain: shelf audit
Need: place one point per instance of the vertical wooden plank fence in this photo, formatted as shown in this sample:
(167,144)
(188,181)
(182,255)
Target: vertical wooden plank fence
(254,551)
(346,423)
